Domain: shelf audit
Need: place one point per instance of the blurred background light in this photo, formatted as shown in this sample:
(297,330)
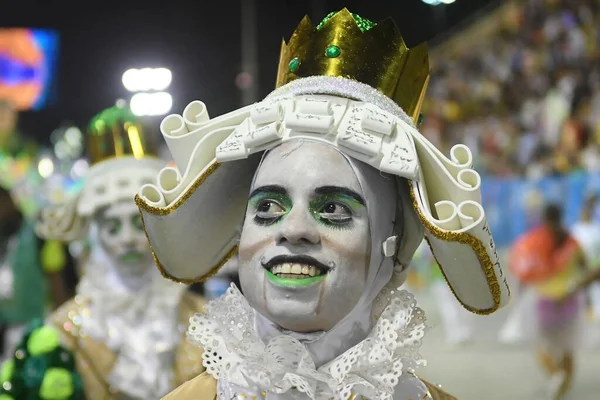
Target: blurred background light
(45,167)
(151,104)
(146,79)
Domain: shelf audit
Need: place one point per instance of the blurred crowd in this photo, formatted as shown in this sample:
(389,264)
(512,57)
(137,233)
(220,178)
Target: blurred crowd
(526,98)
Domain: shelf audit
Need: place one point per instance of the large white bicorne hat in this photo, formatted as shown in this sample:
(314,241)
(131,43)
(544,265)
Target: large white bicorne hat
(360,92)
(122,159)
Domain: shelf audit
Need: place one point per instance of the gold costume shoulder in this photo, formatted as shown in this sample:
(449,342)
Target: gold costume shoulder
(204,387)
(188,362)
(94,360)
(436,392)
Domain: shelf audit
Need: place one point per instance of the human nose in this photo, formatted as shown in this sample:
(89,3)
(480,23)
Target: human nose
(299,227)
(128,234)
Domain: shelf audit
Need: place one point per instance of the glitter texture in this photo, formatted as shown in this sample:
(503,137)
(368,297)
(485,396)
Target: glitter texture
(363,23)
(342,87)
(372,54)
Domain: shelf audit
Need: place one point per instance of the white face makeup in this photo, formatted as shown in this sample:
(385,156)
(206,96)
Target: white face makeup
(305,243)
(122,237)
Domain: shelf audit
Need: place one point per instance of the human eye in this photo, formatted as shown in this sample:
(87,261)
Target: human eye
(112,226)
(335,213)
(269,209)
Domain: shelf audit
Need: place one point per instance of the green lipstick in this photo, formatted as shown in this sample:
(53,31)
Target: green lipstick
(293,282)
(131,258)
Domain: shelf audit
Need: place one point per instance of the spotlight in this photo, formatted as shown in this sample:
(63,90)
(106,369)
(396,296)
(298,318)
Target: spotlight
(151,104)
(146,79)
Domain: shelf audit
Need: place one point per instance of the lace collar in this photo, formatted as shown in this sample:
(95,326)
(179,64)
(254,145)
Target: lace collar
(242,363)
(141,327)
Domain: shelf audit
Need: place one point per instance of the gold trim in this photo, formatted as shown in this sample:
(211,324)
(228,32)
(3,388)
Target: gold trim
(478,248)
(464,238)
(162,211)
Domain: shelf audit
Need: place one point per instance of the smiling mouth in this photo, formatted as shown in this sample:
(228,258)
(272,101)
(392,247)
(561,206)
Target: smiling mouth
(295,271)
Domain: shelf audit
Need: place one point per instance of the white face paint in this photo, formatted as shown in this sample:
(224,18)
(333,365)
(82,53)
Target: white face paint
(305,243)
(122,237)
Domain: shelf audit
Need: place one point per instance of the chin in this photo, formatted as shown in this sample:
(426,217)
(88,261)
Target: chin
(297,321)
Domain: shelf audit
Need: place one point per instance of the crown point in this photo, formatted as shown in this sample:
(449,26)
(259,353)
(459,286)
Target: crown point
(362,23)
(333,51)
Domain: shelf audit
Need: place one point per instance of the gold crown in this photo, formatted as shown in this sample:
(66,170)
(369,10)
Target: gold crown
(115,133)
(346,45)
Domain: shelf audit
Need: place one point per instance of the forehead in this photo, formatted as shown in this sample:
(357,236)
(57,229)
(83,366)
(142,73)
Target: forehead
(124,208)
(306,164)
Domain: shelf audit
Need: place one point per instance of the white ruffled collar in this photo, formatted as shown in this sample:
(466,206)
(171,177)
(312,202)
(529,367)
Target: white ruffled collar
(235,355)
(141,326)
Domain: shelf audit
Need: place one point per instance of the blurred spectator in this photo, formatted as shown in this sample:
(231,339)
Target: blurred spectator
(527,98)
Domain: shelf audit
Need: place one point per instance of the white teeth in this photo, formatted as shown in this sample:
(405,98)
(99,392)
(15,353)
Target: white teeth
(295,269)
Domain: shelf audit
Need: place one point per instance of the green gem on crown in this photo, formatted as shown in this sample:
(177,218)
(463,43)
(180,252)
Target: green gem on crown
(332,51)
(363,23)
(294,64)
(421,119)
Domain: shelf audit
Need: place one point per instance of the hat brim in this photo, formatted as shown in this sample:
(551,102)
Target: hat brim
(193,223)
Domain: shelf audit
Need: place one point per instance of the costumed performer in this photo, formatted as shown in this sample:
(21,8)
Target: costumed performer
(333,187)
(550,261)
(123,335)
(27,263)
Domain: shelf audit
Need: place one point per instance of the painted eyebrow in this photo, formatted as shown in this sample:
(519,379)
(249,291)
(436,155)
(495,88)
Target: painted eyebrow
(325,190)
(269,189)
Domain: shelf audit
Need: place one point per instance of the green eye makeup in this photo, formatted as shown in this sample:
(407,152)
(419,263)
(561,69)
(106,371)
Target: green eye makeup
(335,210)
(269,207)
(113,226)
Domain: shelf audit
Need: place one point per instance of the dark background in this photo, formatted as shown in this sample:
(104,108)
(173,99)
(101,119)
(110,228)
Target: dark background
(198,40)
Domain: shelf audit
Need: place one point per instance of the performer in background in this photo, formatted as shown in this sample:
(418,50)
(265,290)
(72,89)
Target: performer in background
(123,334)
(333,188)
(32,270)
(550,260)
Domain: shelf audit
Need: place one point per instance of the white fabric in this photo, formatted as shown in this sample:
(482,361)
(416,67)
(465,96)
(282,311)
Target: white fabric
(587,235)
(595,299)
(447,189)
(106,183)
(244,364)
(7,278)
(141,326)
